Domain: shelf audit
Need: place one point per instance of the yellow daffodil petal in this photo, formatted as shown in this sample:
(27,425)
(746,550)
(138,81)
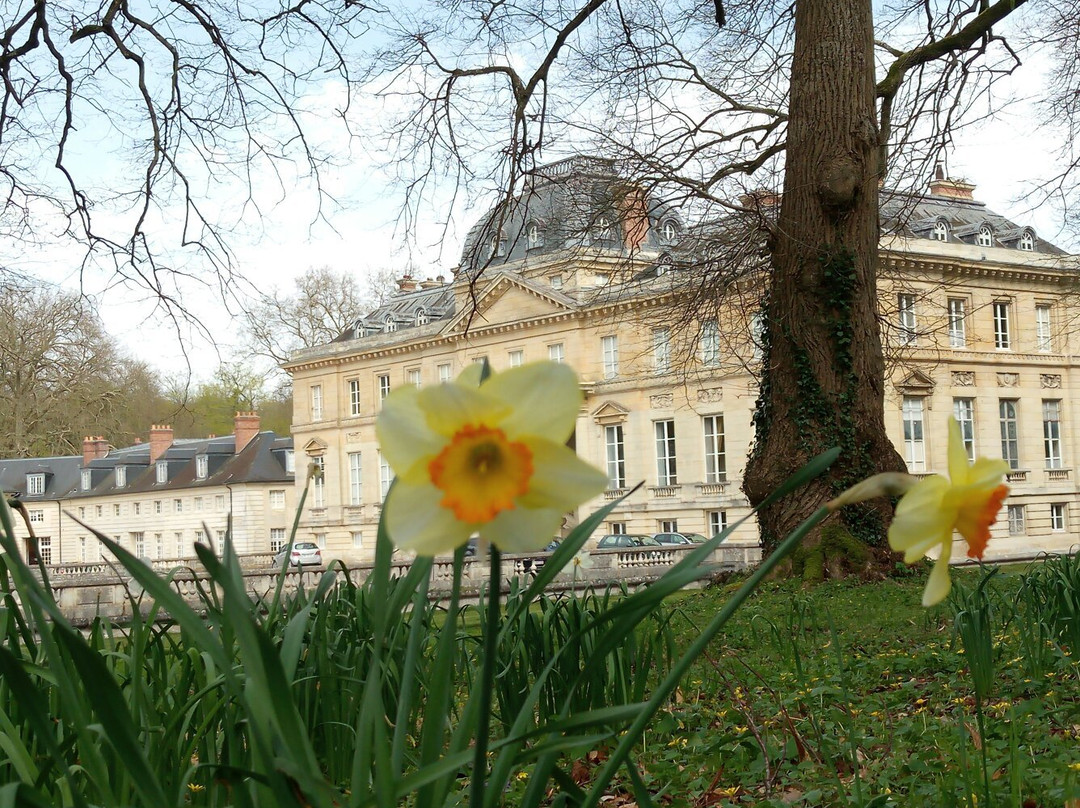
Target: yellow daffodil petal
(402,430)
(470,377)
(545,397)
(917,550)
(560,478)
(522,530)
(987,472)
(939,583)
(416,520)
(958,459)
(449,407)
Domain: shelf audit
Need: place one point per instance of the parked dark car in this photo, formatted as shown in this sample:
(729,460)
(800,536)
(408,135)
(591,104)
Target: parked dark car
(613,540)
(679,538)
(531,566)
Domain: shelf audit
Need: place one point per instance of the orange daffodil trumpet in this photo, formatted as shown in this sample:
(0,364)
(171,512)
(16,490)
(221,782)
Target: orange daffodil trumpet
(932,508)
(484,457)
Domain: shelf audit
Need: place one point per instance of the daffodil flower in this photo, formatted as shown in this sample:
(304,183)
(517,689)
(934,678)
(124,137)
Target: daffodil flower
(933,508)
(484,457)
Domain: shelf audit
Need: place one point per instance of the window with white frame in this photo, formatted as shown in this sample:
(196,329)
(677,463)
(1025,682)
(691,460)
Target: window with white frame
(36,516)
(316,402)
(357,539)
(957,325)
(317,470)
(390,324)
(198,502)
(136,508)
(157,506)
(666,472)
(1010,441)
(661,341)
(138,543)
(941,231)
(906,323)
(178,506)
(202,466)
(386,476)
(616,457)
(710,342)
(618,528)
(85,479)
(116,509)
(1027,241)
(1042,328)
(354,396)
(121,476)
(99,510)
(1051,415)
(914,442)
(277,499)
(290,461)
(715,457)
(383,381)
(1057,516)
(82,511)
(320,539)
(421,317)
(717,522)
(609,348)
(178,539)
(670,230)
(986,237)
(1002,326)
(45,549)
(964,413)
(84,554)
(517,358)
(1017,520)
(200,537)
(35,485)
(355,479)
(220,542)
(219,503)
(669,525)
(444,373)
(532,235)
(556,353)
(413,377)
(161,472)
(556,281)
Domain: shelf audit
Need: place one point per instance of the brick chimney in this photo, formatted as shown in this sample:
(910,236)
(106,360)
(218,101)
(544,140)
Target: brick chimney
(245,427)
(94,449)
(952,189)
(633,207)
(160,440)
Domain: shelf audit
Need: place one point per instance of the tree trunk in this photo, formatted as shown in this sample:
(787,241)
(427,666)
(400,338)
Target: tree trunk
(823,376)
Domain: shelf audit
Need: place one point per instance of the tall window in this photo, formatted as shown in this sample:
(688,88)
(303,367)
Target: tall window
(661,340)
(710,342)
(715,460)
(354,396)
(198,504)
(386,476)
(906,308)
(444,373)
(383,380)
(357,538)
(914,445)
(1017,520)
(202,466)
(665,453)
(178,506)
(1002,337)
(413,376)
(986,237)
(121,475)
(138,543)
(609,346)
(178,538)
(964,413)
(355,496)
(941,231)
(1042,328)
(316,402)
(161,471)
(616,457)
(35,485)
(517,359)
(317,470)
(556,353)
(1057,516)
(421,317)
(717,522)
(390,324)
(277,499)
(1027,241)
(86,479)
(45,549)
(277,539)
(957,334)
(1010,442)
(1051,413)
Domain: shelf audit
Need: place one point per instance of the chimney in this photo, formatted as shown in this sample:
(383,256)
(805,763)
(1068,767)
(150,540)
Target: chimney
(246,427)
(94,449)
(160,440)
(951,189)
(633,210)
(406,283)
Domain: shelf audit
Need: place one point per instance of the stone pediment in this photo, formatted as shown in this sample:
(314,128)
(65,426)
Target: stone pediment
(610,413)
(916,383)
(315,446)
(505,300)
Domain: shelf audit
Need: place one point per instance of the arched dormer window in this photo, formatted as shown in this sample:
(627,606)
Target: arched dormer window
(497,245)
(532,235)
(421,317)
(669,230)
(941,231)
(603,229)
(986,236)
(390,324)
(664,265)
(1027,241)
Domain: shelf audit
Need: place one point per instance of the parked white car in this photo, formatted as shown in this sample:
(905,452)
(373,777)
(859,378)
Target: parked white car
(303,554)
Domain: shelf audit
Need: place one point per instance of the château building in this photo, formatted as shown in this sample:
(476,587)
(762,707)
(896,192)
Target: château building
(584,268)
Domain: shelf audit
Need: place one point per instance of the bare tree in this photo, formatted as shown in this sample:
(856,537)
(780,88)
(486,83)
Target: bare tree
(699,103)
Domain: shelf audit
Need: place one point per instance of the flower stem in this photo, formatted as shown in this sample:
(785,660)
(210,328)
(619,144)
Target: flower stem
(487,682)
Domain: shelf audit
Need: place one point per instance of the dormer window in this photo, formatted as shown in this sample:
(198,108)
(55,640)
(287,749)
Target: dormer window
(121,476)
(390,324)
(532,234)
(941,231)
(161,471)
(670,230)
(35,485)
(1027,241)
(85,478)
(421,317)
(201,467)
(290,462)
(986,237)
(497,245)
(603,229)
(664,265)
(358,329)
